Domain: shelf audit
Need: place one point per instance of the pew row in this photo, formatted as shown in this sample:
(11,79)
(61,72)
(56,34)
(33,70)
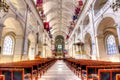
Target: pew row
(32,68)
(92,71)
(2,77)
(109,74)
(80,67)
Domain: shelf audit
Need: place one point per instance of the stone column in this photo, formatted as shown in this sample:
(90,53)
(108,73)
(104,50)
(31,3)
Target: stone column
(73,50)
(18,49)
(44,46)
(1,29)
(118,32)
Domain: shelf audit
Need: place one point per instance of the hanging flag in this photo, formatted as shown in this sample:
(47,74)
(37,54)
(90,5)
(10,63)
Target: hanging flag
(46,26)
(75,17)
(77,11)
(39,3)
(67,36)
(80,3)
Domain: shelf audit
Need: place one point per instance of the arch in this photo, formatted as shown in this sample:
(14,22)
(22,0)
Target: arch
(98,5)
(106,24)
(62,33)
(11,24)
(86,21)
(105,28)
(8,45)
(59,45)
(88,45)
(110,16)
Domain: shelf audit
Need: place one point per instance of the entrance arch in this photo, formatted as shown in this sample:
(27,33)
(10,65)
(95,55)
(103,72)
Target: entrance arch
(59,46)
(88,46)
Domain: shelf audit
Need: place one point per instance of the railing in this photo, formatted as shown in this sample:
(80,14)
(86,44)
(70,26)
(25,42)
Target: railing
(102,10)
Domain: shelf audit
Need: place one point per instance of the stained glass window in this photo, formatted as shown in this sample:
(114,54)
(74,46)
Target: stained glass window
(8,46)
(111,45)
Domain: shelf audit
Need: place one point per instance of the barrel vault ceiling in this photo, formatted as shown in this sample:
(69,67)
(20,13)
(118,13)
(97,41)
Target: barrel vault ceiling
(59,14)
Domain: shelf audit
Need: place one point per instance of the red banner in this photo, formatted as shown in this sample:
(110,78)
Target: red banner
(46,26)
(80,3)
(77,11)
(39,3)
(67,36)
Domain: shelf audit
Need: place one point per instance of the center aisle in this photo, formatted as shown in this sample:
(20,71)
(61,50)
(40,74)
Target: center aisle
(59,71)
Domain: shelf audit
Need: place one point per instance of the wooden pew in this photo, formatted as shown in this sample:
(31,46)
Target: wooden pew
(117,76)
(2,77)
(31,68)
(108,74)
(12,73)
(93,70)
(79,66)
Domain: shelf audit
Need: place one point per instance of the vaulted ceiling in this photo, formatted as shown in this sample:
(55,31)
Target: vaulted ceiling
(59,14)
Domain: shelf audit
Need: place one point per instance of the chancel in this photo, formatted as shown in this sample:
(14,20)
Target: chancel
(59,39)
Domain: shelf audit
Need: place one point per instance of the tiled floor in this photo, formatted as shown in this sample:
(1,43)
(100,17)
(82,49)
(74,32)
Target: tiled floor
(59,71)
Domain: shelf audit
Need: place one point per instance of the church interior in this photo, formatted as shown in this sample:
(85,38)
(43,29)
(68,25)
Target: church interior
(59,39)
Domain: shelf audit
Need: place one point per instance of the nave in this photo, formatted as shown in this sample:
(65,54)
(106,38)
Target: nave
(35,34)
(59,71)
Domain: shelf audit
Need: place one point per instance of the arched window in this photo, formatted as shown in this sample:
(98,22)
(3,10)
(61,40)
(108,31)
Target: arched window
(111,45)
(8,45)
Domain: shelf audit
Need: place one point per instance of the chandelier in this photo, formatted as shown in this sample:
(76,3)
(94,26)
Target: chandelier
(115,5)
(3,6)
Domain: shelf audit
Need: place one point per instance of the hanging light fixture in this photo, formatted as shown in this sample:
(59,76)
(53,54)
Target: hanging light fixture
(115,5)
(3,6)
